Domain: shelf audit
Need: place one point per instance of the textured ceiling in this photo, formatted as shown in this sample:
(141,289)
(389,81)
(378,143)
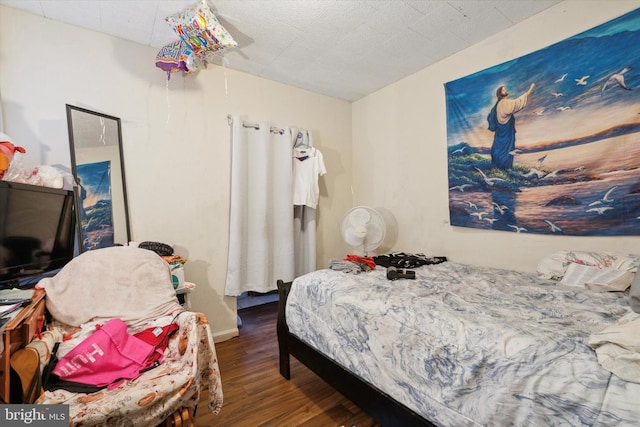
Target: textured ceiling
(342,48)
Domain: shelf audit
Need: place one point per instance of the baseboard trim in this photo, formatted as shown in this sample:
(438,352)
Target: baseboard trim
(225,335)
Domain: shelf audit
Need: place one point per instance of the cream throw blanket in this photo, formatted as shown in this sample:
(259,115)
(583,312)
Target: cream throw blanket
(129,283)
(618,347)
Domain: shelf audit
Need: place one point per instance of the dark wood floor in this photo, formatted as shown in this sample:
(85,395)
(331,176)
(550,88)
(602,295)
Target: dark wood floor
(256,395)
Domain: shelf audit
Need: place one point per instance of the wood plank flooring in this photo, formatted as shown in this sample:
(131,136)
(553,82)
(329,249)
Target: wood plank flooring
(256,395)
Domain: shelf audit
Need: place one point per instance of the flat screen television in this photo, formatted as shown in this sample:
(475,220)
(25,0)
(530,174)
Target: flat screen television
(37,233)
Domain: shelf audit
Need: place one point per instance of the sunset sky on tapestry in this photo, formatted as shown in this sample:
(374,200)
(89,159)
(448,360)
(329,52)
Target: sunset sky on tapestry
(575,165)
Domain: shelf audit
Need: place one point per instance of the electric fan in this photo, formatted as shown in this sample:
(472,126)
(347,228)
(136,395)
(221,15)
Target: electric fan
(363,228)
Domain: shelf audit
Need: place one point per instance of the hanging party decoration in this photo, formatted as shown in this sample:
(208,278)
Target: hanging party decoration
(173,57)
(201,31)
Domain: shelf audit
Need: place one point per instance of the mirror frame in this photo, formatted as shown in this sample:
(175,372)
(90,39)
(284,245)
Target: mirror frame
(82,135)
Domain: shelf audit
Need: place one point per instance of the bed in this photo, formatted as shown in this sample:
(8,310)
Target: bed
(460,345)
(133,285)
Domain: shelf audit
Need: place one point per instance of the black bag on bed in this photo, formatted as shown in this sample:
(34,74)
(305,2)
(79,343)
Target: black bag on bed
(405,260)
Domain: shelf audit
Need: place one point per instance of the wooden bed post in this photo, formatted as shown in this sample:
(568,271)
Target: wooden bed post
(283,329)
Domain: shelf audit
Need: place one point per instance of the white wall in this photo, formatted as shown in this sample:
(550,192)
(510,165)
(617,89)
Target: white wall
(176,137)
(400,157)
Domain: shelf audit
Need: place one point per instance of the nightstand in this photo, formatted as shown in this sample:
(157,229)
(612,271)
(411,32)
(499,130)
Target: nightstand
(19,332)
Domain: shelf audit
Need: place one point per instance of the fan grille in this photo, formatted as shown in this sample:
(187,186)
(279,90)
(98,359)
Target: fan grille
(363,228)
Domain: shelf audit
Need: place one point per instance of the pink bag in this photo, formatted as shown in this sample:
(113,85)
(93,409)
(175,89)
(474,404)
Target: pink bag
(109,354)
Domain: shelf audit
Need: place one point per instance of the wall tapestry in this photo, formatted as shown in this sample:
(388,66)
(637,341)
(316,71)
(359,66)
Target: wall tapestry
(96,214)
(549,143)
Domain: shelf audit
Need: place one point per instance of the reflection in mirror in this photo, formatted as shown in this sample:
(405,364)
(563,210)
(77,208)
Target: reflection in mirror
(98,168)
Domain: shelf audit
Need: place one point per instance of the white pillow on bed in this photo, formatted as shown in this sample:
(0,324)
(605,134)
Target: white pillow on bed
(554,266)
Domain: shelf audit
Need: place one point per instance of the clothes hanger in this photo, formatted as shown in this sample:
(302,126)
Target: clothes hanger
(301,146)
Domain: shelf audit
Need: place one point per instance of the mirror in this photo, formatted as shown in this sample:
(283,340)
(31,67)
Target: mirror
(98,169)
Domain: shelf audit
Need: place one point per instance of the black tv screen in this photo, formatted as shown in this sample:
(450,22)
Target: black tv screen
(37,232)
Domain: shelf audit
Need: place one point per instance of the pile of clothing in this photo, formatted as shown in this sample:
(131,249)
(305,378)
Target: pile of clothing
(355,264)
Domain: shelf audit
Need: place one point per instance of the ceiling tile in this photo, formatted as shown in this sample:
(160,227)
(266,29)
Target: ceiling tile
(486,23)
(341,16)
(426,7)
(445,44)
(80,13)
(137,22)
(434,23)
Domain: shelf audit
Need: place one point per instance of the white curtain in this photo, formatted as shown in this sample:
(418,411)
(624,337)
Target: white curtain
(304,231)
(261,216)
(304,218)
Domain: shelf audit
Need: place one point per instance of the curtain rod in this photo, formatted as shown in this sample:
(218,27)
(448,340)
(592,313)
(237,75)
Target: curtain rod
(255,126)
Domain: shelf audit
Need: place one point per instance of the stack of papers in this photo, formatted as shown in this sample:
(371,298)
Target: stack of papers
(11,300)
(9,308)
(597,278)
(12,296)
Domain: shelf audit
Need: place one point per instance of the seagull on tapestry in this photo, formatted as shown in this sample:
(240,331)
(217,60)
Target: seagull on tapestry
(553,174)
(601,210)
(616,79)
(500,208)
(516,228)
(605,198)
(460,187)
(479,214)
(471,204)
(489,181)
(582,81)
(561,79)
(553,227)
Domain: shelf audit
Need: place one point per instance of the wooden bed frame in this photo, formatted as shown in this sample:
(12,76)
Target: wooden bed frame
(381,407)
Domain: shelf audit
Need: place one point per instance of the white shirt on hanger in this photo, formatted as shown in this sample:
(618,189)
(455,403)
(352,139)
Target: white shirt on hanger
(308,166)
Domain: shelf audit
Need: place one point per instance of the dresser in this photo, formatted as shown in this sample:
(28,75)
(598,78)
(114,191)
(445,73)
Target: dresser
(19,332)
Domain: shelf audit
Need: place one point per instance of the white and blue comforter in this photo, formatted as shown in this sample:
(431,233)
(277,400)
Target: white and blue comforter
(466,346)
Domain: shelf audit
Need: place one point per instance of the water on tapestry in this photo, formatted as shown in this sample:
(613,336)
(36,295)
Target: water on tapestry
(96,213)
(549,143)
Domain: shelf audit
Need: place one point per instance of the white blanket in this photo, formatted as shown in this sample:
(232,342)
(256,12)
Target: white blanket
(130,283)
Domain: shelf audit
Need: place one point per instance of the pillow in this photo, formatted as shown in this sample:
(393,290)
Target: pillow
(634,293)
(554,266)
